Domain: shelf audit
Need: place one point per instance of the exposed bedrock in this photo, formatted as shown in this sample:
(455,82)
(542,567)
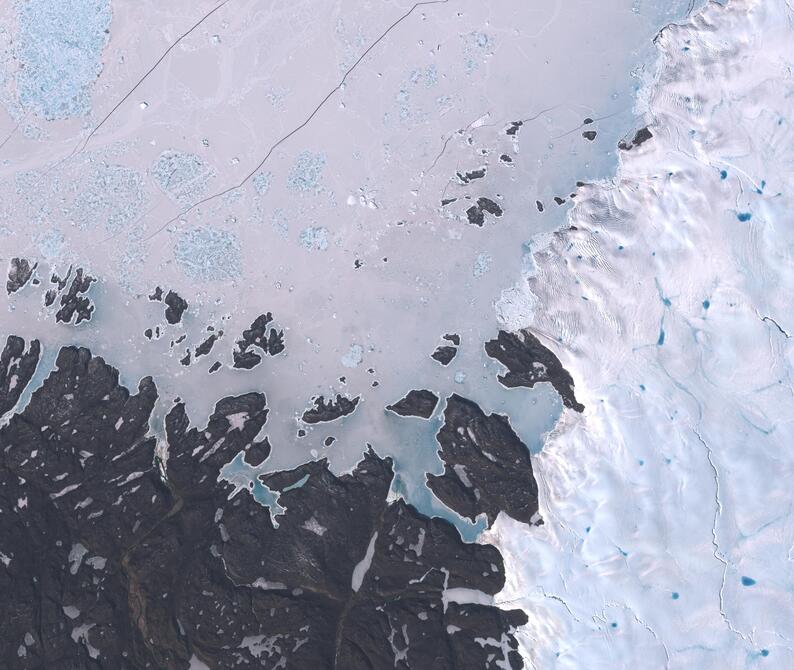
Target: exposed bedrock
(111,559)
(19,273)
(421,403)
(268,339)
(17,365)
(529,362)
(330,410)
(487,468)
(175,307)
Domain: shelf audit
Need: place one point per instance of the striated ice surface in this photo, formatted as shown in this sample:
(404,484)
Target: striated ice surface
(669,533)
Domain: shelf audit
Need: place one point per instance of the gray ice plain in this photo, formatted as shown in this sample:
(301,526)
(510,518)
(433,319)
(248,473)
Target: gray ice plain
(318,164)
(341,233)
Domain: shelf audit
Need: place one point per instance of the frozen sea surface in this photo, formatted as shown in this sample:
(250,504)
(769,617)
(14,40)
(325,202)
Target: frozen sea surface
(282,159)
(669,536)
(376,178)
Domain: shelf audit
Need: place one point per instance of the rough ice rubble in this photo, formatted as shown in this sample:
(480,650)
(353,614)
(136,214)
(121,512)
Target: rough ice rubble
(668,541)
(208,254)
(59,48)
(183,176)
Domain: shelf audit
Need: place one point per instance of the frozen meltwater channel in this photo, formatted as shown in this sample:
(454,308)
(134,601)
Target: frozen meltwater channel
(670,534)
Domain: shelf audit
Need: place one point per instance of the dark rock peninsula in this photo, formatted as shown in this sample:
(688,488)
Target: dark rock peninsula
(487,468)
(529,362)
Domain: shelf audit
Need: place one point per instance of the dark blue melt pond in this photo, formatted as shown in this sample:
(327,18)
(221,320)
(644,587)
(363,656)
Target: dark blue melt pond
(748,581)
(744,216)
(723,174)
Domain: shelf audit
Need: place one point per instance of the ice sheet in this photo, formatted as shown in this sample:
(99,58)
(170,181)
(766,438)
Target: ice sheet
(669,535)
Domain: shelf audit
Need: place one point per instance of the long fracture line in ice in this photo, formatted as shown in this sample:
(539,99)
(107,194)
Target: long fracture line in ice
(165,53)
(714,542)
(306,121)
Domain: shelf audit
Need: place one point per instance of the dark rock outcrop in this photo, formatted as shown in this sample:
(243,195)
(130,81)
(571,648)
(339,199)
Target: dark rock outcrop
(641,136)
(444,354)
(111,559)
(19,273)
(260,335)
(487,468)
(529,362)
(330,410)
(466,177)
(420,403)
(206,346)
(513,128)
(16,369)
(476,213)
(75,305)
(175,307)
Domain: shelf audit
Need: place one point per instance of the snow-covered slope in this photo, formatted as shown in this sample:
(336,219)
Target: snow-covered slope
(668,534)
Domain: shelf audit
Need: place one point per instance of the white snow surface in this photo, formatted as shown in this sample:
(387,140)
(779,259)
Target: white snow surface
(668,531)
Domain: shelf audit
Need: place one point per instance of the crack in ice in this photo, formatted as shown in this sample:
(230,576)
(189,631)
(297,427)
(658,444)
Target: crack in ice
(306,121)
(714,540)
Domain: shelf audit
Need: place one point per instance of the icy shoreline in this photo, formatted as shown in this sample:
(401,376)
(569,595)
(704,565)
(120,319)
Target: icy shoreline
(668,528)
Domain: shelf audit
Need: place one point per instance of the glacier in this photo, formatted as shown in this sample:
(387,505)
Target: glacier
(667,295)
